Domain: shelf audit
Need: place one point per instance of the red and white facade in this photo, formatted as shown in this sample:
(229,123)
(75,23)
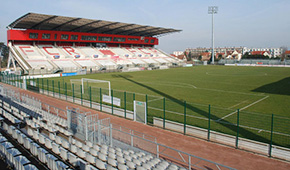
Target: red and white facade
(44,51)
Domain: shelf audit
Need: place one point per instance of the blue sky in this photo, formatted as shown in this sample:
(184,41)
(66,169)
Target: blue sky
(251,23)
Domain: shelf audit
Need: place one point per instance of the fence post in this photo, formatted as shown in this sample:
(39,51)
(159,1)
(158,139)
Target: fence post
(19,80)
(184,123)
(81,95)
(90,92)
(73,92)
(146,108)
(132,138)
(65,88)
(58,83)
(133,97)
(208,128)
(125,109)
(189,162)
(271,139)
(47,86)
(111,135)
(53,88)
(99,132)
(238,121)
(112,102)
(164,113)
(16,80)
(41,84)
(157,150)
(101,99)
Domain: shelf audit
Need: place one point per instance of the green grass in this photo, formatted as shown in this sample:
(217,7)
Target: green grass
(258,91)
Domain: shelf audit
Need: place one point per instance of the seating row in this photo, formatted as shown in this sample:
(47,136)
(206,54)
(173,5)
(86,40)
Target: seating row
(64,57)
(13,156)
(9,116)
(20,109)
(80,153)
(36,150)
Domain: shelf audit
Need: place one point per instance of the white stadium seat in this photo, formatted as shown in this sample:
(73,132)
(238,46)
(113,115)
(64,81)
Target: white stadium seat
(100,164)
(112,162)
(34,148)
(63,153)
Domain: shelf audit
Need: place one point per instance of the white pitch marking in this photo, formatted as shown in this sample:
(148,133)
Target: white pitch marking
(172,84)
(154,100)
(238,104)
(231,92)
(188,115)
(244,107)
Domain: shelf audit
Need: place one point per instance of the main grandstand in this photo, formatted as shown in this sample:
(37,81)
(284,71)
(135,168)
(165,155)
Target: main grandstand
(47,44)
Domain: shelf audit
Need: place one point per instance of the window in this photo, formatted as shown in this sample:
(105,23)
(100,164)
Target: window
(100,45)
(133,39)
(74,37)
(55,36)
(119,39)
(45,36)
(152,41)
(89,38)
(146,41)
(33,35)
(105,38)
(64,36)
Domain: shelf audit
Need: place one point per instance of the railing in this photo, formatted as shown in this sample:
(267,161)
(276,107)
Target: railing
(250,125)
(142,141)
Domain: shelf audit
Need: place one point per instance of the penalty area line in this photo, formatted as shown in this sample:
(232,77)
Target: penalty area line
(244,107)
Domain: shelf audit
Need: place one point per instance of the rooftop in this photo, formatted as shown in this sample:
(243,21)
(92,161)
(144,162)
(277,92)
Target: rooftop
(61,23)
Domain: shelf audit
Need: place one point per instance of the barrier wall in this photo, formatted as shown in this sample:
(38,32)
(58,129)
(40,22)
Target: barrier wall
(245,144)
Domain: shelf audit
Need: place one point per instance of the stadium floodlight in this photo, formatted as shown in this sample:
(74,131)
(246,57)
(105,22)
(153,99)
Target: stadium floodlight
(212,10)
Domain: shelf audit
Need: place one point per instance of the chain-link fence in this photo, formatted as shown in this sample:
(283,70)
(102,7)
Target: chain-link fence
(211,121)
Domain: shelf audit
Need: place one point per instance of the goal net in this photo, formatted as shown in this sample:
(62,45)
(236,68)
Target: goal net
(93,83)
(140,113)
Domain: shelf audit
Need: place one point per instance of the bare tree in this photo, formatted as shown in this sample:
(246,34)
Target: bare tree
(283,55)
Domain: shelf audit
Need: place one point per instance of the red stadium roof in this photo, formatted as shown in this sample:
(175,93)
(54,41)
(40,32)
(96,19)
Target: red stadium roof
(61,23)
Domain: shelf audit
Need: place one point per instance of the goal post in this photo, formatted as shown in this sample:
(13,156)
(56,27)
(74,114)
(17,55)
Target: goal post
(75,82)
(85,82)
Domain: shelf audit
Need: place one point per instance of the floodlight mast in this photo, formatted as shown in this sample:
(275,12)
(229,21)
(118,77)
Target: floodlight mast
(212,10)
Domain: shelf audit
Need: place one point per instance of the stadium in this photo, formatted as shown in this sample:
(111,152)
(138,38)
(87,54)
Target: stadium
(93,94)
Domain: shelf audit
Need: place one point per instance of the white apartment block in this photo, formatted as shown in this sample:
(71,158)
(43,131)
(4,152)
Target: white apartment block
(274,52)
(177,53)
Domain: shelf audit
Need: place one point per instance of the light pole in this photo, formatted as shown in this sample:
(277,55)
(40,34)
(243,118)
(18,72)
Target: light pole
(212,10)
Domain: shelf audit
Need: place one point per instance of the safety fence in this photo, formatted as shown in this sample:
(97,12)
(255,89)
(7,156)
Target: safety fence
(272,130)
(113,135)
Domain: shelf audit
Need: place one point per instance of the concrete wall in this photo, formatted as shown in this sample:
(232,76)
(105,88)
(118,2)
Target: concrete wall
(245,144)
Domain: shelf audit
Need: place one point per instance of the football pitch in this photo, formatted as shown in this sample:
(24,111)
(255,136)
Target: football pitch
(258,92)
(256,89)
